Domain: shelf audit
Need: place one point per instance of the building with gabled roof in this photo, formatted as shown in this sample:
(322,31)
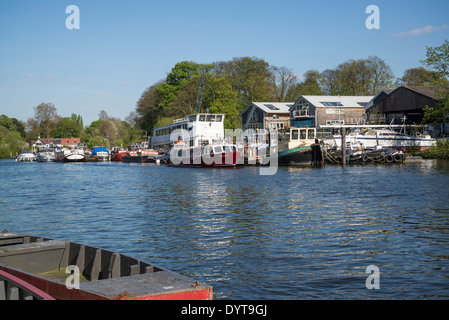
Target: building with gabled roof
(316,111)
(401,105)
(266,115)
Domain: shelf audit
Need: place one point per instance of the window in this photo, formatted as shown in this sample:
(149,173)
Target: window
(294,134)
(219,118)
(192,118)
(310,134)
(217,149)
(202,117)
(331,104)
(271,107)
(210,117)
(303,134)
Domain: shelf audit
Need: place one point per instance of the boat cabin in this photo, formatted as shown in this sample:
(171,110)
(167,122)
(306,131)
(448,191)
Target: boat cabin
(294,137)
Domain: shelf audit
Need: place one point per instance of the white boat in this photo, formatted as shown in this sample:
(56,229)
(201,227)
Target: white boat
(385,138)
(100,153)
(216,155)
(26,156)
(67,155)
(46,155)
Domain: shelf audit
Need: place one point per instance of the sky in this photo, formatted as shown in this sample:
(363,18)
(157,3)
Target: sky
(123,47)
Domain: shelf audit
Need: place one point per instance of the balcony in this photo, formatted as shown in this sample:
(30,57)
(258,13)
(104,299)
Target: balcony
(301,114)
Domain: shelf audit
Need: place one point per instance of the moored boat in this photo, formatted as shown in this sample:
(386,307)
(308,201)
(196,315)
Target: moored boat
(216,155)
(70,155)
(70,271)
(141,155)
(45,155)
(100,153)
(388,139)
(298,146)
(26,156)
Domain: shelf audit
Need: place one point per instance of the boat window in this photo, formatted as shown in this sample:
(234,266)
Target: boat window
(234,148)
(219,118)
(210,117)
(217,149)
(227,148)
(294,134)
(202,117)
(311,134)
(303,134)
(192,118)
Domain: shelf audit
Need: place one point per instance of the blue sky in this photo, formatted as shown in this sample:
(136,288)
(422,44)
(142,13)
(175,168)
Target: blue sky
(123,47)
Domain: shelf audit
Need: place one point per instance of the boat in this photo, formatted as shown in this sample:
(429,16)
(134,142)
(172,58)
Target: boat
(45,155)
(368,138)
(64,270)
(299,146)
(26,156)
(117,153)
(100,153)
(141,155)
(216,155)
(365,156)
(70,155)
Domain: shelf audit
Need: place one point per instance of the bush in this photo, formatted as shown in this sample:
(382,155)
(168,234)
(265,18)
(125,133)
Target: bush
(440,151)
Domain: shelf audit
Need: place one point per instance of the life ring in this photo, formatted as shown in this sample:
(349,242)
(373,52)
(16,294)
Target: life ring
(364,158)
(389,158)
(397,157)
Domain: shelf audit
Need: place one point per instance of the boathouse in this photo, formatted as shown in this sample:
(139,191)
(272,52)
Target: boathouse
(316,111)
(266,115)
(401,105)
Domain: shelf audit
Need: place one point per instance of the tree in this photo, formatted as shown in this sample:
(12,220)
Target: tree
(67,128)
(46,116)
(438,61)
(381,74)
(418,77)
(283,79)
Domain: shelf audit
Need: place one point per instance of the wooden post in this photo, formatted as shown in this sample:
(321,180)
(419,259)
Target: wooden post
(343,146)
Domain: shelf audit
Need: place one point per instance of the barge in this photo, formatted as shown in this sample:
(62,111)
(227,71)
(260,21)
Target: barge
(41,265)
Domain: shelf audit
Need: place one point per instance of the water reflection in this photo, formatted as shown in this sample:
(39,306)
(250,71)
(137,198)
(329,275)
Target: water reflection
(303,233)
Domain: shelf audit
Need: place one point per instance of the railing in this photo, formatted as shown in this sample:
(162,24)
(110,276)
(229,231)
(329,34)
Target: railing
(300,113)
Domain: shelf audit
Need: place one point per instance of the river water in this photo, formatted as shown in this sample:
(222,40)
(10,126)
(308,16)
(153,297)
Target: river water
(303,233)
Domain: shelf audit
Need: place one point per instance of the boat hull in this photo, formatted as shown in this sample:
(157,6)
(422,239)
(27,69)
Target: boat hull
(225,159)
(105,275)
(307,155)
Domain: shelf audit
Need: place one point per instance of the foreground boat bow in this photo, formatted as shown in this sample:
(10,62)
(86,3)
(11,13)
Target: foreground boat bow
(104,275)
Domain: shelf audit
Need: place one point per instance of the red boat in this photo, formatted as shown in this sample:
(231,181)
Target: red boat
(217,155)
(42,268)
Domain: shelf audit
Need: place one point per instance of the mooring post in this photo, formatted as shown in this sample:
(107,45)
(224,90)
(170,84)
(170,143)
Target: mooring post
(343,146)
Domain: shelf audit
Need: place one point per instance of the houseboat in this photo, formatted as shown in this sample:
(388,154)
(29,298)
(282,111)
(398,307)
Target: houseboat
(44,268)
(299,146)
(195,130)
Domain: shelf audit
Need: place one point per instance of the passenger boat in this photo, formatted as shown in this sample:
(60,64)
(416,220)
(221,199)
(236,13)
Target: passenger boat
(388,139)
(26,156)
(299,146)
(45,155)
(216,155)
(51,268)
(100,154)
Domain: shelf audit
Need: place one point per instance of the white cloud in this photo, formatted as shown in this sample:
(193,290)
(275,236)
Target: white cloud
(127,84)
(419,31)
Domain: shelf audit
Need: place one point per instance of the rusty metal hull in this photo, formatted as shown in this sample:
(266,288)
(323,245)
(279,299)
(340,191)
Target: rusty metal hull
(106,275)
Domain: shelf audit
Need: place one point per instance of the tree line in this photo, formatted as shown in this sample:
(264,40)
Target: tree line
(230,86)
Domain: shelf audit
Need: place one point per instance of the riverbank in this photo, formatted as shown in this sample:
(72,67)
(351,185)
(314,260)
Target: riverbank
(438,152)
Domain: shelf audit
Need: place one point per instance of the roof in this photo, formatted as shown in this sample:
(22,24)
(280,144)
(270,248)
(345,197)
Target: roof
(431,92)
(338,101)
(272,107)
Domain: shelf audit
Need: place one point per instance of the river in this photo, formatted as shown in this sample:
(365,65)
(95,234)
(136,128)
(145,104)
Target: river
(303,233)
